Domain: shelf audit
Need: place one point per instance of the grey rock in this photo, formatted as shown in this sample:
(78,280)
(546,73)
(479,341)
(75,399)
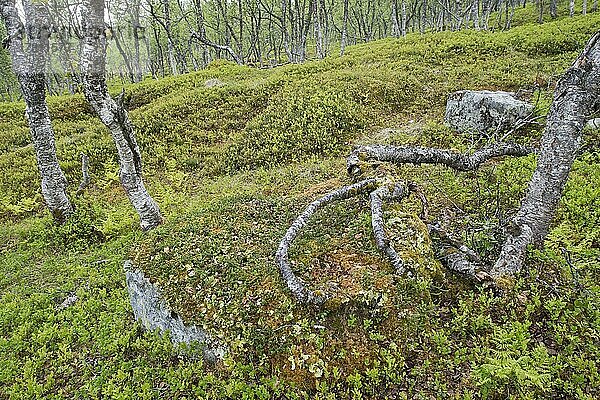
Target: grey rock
(68,302)
(214,83)
(469,111)
(154,313)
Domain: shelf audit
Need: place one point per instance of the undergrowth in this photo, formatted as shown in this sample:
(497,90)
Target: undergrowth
(231,167)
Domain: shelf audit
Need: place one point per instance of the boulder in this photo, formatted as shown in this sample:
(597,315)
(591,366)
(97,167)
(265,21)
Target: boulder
(152,310)
(469,111)
(214,82)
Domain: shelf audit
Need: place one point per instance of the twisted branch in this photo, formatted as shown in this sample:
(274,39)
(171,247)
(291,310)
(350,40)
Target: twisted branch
(424,155)
(295,284)
(378,196)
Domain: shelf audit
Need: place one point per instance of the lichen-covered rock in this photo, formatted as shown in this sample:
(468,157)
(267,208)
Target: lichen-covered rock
(211,83)
(469,111)
(154,313)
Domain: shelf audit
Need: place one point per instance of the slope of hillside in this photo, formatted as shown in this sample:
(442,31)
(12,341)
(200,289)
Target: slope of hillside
(231,166)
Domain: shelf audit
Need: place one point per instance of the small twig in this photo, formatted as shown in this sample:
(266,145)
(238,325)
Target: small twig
(574,273)
(85,172)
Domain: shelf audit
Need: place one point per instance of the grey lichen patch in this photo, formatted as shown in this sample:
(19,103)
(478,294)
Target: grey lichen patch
(154,313)
(211,83)
(469,111)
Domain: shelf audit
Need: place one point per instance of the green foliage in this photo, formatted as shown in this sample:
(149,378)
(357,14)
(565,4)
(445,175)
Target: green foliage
(80,231)
(300,121)
(382,336)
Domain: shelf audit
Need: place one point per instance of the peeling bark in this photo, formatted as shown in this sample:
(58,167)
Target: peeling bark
(295,284)
(424,155)
(113,114)
(576,96)
(30,70)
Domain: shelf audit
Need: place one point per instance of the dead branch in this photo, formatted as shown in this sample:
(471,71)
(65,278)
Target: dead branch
(295,284)
(425,155)
(378,196)
(85,172)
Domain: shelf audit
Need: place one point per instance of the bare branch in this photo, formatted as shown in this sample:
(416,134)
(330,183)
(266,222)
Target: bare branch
(295,284)
(378,196)
(85,174)
(425,155)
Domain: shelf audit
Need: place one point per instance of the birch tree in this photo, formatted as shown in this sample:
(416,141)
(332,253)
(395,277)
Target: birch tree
(29,66)
(113,114)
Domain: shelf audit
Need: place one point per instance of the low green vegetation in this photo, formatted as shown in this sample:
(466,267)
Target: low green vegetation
(231,167)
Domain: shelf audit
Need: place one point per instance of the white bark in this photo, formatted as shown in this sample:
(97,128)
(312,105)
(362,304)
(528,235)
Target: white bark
(577,94)
(113,115)
(295,284)
(30,70)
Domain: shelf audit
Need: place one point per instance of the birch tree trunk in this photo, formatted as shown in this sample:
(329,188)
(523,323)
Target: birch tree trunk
(395,23)
(344,29)
(403,18)
(170,44)
(30,70)
(571,8)
(113,115)
(576,97)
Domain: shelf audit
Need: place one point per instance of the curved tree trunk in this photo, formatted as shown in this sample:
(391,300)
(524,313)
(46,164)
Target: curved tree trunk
(30,70)
(113,115)
(576,97)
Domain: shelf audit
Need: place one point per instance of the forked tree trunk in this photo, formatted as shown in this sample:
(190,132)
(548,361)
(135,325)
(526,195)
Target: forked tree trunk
(576,97)
(113,115)
(30,70)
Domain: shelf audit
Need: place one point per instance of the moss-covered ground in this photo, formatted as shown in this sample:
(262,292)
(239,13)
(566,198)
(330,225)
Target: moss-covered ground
(231,167)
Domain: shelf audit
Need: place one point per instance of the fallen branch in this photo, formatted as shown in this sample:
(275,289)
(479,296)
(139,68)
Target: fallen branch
(295,284)
(378,196)
(424,155)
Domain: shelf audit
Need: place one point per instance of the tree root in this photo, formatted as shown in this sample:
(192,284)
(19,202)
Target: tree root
(378,196)
(461,259)
(295,284)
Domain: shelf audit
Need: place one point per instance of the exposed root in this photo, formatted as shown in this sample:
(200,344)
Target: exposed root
(425,155)
(457,256)
(378,196)
(295,284)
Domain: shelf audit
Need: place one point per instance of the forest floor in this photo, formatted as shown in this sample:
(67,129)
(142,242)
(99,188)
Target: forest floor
(231,166)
